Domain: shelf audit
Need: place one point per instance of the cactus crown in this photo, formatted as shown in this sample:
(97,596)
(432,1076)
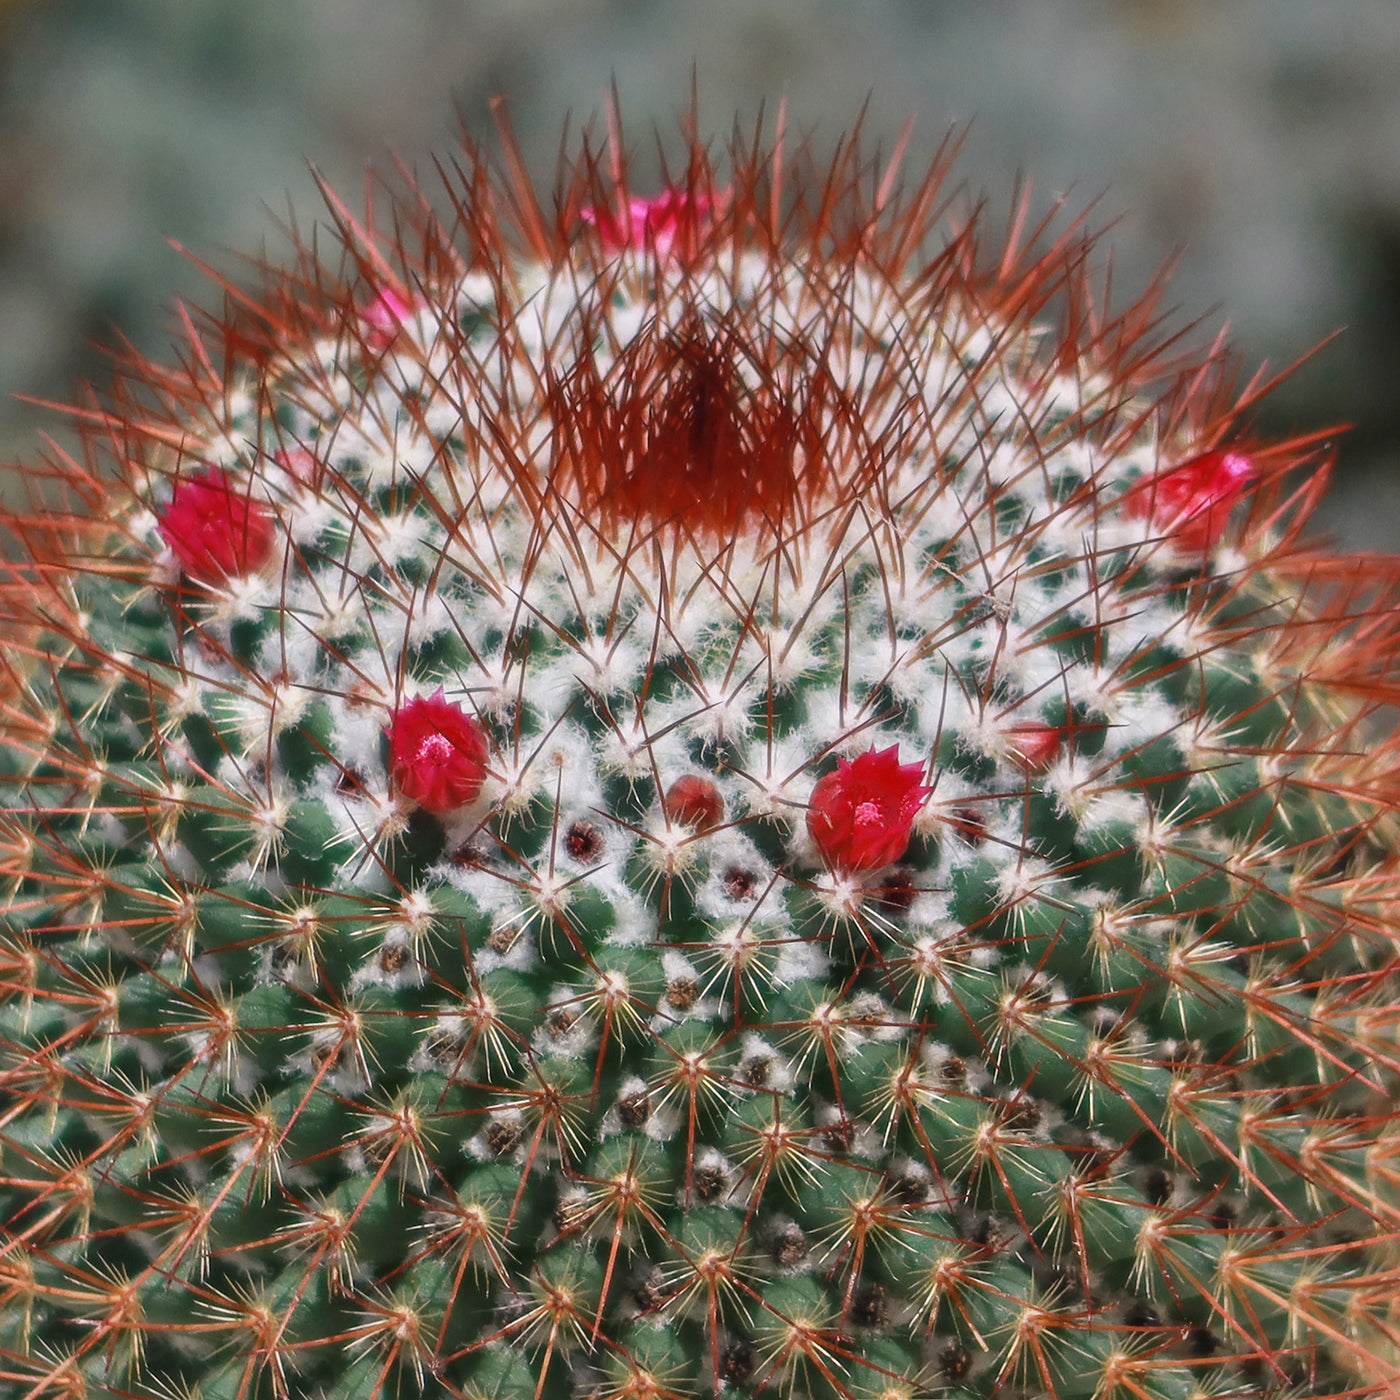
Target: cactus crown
(682,795)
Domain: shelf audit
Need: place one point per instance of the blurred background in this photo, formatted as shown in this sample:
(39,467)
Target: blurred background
(1259,138)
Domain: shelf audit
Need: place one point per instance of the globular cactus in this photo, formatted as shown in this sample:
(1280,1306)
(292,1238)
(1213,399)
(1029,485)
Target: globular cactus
(739,792)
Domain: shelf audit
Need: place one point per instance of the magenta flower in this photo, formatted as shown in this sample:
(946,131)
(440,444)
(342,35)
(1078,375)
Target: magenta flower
(437,753)
(659,222)
(384,315)
(862,815)
(216,529)
(1191,503)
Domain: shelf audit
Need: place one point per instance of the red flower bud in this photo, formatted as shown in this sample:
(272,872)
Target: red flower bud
(862,815)
(1192,502)
(1035,746)
(216,529)
(969,823)
(696,802)
(437,753)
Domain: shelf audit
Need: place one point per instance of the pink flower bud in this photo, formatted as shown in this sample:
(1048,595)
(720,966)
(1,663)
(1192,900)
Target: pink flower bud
(383,316)
(302,466)
(695,802)
(437,753)
(861,816)
(1191,503)
(658,222)
(216,529)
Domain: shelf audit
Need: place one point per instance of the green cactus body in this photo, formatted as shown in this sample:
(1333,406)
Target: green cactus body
(691,801)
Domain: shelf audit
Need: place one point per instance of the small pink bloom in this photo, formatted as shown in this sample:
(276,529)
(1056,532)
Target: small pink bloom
(658,222)
(1035,746)
(861,816)
(437,753)
(216,529)
(1191,503)
(693,801)
(383,317)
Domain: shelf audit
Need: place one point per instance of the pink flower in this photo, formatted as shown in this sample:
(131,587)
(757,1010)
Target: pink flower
(437,753)
(386,312)
(695,802)
(1191,503)
(658,222)
(216,529)
(862,815)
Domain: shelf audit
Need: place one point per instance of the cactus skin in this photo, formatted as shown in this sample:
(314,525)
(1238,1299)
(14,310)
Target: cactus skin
(555,1034)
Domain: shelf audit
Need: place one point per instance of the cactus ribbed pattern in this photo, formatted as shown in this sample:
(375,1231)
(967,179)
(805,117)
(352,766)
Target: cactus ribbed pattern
(745,791)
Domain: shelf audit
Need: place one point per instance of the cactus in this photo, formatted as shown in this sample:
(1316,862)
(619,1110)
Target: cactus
(744,791)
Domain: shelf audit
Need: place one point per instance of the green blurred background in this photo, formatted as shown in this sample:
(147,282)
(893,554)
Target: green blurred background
(1260,137)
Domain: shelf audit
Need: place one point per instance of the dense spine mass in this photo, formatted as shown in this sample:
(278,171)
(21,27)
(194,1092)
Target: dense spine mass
(681,796)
